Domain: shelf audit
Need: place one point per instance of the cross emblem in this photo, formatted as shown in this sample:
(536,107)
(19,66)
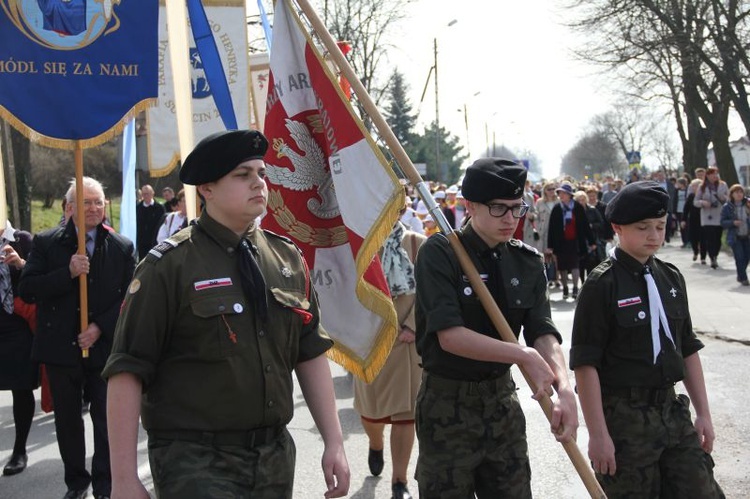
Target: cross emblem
(673,292)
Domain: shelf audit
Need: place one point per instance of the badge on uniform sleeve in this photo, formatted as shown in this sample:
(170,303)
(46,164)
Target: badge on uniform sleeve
(135,285)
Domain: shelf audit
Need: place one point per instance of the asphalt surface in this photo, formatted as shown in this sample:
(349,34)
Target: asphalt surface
(719,309)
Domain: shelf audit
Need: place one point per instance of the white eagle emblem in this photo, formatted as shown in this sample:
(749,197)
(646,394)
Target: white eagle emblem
(309,171)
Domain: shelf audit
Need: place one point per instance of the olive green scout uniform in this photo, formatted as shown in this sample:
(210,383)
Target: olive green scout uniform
(471,429)
(217,376)
(657,450)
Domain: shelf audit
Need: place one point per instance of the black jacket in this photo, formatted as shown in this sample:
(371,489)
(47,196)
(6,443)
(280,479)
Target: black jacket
(46,281)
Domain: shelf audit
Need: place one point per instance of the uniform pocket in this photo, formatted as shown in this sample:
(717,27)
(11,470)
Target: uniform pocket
(634,323)
(220,312)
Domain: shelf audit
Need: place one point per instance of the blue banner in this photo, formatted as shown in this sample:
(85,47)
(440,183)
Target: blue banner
(71,70)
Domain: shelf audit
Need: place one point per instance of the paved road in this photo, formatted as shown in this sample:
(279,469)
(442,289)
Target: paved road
(719,309)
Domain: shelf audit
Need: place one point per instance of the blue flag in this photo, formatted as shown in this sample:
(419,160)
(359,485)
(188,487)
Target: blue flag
(71,70)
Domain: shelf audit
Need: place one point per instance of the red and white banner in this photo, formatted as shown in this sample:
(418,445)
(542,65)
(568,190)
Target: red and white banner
(332,192)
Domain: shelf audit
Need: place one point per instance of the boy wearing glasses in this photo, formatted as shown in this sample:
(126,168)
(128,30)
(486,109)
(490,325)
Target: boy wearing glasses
(471,429)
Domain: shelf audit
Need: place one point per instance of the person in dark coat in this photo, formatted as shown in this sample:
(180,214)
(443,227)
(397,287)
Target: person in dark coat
(149,216)
(569,237)
(17,372)
(51,280)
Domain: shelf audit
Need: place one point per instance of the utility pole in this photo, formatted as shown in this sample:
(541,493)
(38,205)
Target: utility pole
(437,112)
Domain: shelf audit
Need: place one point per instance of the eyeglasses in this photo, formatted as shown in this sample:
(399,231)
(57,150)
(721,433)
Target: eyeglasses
(88,203)
(516,210)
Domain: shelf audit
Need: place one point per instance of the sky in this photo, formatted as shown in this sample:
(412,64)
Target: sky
(510,64)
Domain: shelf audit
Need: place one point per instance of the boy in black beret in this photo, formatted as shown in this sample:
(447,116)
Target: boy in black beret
(471,429)
(213,324)
(632,341)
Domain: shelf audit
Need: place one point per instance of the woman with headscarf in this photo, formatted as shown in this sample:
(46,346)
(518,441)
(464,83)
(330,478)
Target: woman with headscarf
(391,397)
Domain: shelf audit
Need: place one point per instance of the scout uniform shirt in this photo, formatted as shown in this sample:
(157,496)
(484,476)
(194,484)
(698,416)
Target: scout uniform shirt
(514,274)
(206,360)
(612,325)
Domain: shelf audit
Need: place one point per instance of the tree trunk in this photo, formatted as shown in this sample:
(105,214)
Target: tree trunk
(720,141)
(22,159)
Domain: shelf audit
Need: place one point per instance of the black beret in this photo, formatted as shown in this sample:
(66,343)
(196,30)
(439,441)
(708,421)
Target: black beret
(493,178)
(220,153)
(637,201)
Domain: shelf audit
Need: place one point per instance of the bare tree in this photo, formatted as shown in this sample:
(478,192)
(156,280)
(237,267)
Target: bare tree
(367,26)
(660,50)
(596,152)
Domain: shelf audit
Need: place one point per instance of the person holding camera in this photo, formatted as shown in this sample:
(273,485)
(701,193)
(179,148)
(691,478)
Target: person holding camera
(735,217)
(711,195)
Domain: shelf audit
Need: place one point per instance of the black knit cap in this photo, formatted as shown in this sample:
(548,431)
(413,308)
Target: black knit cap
(637,201)
(220,153)
(493,178)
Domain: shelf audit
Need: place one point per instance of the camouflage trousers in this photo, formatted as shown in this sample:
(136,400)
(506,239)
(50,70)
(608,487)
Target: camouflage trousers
(472,440)
(657,451)
(195,470)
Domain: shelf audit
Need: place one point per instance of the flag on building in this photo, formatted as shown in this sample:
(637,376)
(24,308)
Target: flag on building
(333,193)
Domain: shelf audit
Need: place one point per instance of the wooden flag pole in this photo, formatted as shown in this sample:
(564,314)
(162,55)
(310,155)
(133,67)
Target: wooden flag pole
(81,224)
(571,448)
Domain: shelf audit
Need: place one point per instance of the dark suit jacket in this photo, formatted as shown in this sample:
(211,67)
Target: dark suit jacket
(46,281)
(148,219)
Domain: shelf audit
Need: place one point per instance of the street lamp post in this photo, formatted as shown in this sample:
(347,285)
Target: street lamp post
(437,104)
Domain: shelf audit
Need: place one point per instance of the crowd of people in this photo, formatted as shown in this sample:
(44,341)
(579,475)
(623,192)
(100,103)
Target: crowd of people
(702,211)
(208,306)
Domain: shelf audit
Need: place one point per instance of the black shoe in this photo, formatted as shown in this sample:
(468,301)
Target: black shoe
(400,491)
(575,294)
(76,494)
(703,261)
(714,265)
(565,293)
(16,464)
(375,461)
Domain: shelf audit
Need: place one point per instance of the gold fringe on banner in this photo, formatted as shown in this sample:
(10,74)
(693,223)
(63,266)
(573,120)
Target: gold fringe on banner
(70,144)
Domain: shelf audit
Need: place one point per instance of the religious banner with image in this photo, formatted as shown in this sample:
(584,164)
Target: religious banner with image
(333,193)
(74,71)
(227,21)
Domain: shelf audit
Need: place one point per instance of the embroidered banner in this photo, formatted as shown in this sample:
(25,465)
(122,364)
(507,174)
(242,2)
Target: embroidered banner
(227,22)
(76,70)
(331,191)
